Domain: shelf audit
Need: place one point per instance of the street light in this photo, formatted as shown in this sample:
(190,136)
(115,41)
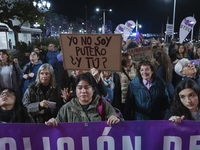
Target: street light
(42,5)
(137,25)
(174,11)
(104,17)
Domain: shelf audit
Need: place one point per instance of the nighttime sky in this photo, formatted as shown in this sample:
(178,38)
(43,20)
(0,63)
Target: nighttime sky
(152,14)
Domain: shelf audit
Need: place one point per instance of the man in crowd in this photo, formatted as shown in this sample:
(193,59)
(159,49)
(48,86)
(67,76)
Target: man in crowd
(51,57)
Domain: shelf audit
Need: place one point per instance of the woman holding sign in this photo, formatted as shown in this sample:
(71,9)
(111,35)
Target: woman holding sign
(147,97)
(85,108)
(186,103)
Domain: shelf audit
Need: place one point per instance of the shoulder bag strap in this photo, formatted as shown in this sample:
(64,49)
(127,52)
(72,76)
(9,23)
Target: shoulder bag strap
(126,74)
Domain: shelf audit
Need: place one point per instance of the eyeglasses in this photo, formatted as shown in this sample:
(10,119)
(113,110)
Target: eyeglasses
(6,93)
(188,64)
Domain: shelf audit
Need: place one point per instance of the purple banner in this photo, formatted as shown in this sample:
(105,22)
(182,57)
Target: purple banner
(133,135)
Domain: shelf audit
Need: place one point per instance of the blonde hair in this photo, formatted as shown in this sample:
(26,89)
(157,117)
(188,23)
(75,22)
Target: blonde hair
(50,68)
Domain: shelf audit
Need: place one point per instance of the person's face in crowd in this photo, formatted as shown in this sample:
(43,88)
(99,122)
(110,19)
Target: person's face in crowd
(176,46)
(27,54)
(129,61)
(76,73)
(51,47)
(45,77)
(3,57)
(188,69)
(181,49)
(7,100)
(198,52)
(153,44)
(33,57)
(107,74)
(36,50)
(146,72)
(84,92)
(190,99)
(190,46)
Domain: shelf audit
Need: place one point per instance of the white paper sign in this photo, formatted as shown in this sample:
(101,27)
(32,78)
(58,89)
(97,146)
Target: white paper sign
(186,26)
(128,28)
(120,30)
(169,29)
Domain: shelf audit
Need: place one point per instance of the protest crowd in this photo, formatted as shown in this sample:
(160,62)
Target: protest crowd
(165,86)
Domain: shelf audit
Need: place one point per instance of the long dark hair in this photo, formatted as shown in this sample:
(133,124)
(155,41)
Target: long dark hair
(177,106)
(20,114)
(163,59)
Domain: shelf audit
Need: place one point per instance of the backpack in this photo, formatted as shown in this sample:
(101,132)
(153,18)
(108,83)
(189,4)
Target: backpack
(102,112)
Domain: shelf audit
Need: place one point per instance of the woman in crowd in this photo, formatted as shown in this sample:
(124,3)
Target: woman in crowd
(30,70)
(112,83)
(186,70)
(197,54)
(147,97)
(128,74)
(71,88)
(182,52)
(164,71)
(42,97)
(9,73)
(41,56)
(186,103)
(190,50)
(84,108)
(11,108)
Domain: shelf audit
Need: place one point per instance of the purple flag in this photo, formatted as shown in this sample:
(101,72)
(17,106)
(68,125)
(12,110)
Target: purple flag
(127,135)
(137,36)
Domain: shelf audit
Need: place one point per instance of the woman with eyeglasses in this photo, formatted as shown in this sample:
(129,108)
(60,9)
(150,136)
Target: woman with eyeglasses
(11,108)
(186,104)
(187,70)
(147,96)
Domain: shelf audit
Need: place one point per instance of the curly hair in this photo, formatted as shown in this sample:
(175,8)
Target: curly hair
(177,106)
(146,63)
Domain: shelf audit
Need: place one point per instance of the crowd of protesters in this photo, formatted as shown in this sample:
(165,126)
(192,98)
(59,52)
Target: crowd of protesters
(166,86)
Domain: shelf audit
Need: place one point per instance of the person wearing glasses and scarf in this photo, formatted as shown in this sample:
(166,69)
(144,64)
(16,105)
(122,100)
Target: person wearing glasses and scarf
(187,70)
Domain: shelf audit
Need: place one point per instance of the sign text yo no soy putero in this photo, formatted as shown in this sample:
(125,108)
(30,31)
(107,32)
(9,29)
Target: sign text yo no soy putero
(88,40)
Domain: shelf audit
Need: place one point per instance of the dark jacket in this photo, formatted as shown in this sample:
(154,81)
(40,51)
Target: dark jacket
(162,74)
(144,104)
(51,58)
(34,95)
(196,79)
